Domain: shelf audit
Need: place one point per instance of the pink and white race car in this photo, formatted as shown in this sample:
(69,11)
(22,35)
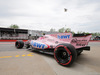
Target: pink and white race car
(65,46)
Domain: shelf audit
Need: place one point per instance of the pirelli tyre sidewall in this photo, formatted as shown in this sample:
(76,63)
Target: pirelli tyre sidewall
(19,44)
(65,54)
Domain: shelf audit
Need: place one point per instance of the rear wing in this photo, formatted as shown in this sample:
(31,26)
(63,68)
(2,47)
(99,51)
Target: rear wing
(77,40)
(80,40)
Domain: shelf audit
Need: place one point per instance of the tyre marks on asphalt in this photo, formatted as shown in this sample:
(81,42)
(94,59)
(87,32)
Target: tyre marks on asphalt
(29,55)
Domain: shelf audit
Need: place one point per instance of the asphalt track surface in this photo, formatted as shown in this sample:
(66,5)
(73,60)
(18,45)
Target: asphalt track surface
(25,62)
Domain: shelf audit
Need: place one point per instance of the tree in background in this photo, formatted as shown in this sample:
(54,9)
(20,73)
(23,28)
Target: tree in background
(72,32)
(79,32)
(61,30)
(96,34)
(52,30)
(15,26)
(67,30)
(93,34)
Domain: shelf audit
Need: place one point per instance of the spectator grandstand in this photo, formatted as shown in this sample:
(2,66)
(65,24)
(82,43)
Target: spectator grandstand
(14,34)
(21,34)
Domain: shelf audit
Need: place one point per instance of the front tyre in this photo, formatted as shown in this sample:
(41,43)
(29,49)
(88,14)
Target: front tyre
(19,44)
(65,54)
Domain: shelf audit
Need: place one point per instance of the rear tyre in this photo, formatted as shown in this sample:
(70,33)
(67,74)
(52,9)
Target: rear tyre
(65,54)
(19,44)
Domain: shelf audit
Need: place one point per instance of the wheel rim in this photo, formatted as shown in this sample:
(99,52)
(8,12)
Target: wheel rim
(17,44)
(62,56)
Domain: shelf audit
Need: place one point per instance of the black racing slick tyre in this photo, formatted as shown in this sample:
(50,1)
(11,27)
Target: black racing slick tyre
(65,54)
(19,44)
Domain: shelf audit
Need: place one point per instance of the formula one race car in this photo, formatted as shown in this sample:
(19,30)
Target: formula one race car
(65,46)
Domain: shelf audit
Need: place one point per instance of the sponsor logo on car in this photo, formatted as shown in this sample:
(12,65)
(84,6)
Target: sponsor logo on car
(79,42)
(38,45)
(63,36)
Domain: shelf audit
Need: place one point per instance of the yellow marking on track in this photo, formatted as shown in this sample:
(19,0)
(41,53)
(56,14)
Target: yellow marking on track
(17,56)
(30,54)
(23,55)
(5,56)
